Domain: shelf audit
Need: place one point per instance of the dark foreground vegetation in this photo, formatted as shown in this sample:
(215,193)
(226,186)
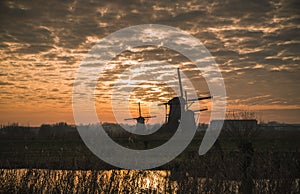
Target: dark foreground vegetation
(264,161)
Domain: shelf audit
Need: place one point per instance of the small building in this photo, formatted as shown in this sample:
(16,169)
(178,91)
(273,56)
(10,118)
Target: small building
(231,124)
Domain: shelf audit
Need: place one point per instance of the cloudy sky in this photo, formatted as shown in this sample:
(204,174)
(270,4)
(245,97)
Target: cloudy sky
(42,44)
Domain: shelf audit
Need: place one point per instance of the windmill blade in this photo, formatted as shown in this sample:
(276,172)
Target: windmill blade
(205,97)
(160,104)
(166,112)
(201,98)
(130,119)
(180,83)
(140,112)
(150,117)
(200,110)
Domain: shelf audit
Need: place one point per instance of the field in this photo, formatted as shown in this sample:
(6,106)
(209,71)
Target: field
(267,163)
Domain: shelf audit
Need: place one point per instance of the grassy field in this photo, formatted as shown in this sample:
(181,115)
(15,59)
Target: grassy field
(71,153)
(271,164)
(72,147)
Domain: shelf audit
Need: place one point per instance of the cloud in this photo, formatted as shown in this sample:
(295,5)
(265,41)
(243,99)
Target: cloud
(6,83)
(256,44)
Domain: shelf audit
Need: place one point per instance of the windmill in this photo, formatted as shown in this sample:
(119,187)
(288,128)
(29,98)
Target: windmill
(140,120)
(180,105)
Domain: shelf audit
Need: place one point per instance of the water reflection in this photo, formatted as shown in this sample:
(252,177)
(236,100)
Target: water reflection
(121,181)
(69,181)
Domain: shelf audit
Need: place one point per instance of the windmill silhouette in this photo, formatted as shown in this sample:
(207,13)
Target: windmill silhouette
(140,120)
(179,106)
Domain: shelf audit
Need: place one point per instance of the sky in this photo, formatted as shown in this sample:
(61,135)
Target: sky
(256,45)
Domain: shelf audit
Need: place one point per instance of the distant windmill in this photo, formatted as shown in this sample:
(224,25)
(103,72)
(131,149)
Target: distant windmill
(180,105)
(140,120)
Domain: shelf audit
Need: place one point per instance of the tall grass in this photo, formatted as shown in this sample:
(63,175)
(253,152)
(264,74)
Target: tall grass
(129,181)
(75,181)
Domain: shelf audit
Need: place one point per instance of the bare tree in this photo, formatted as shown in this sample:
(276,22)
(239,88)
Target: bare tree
(242,125)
